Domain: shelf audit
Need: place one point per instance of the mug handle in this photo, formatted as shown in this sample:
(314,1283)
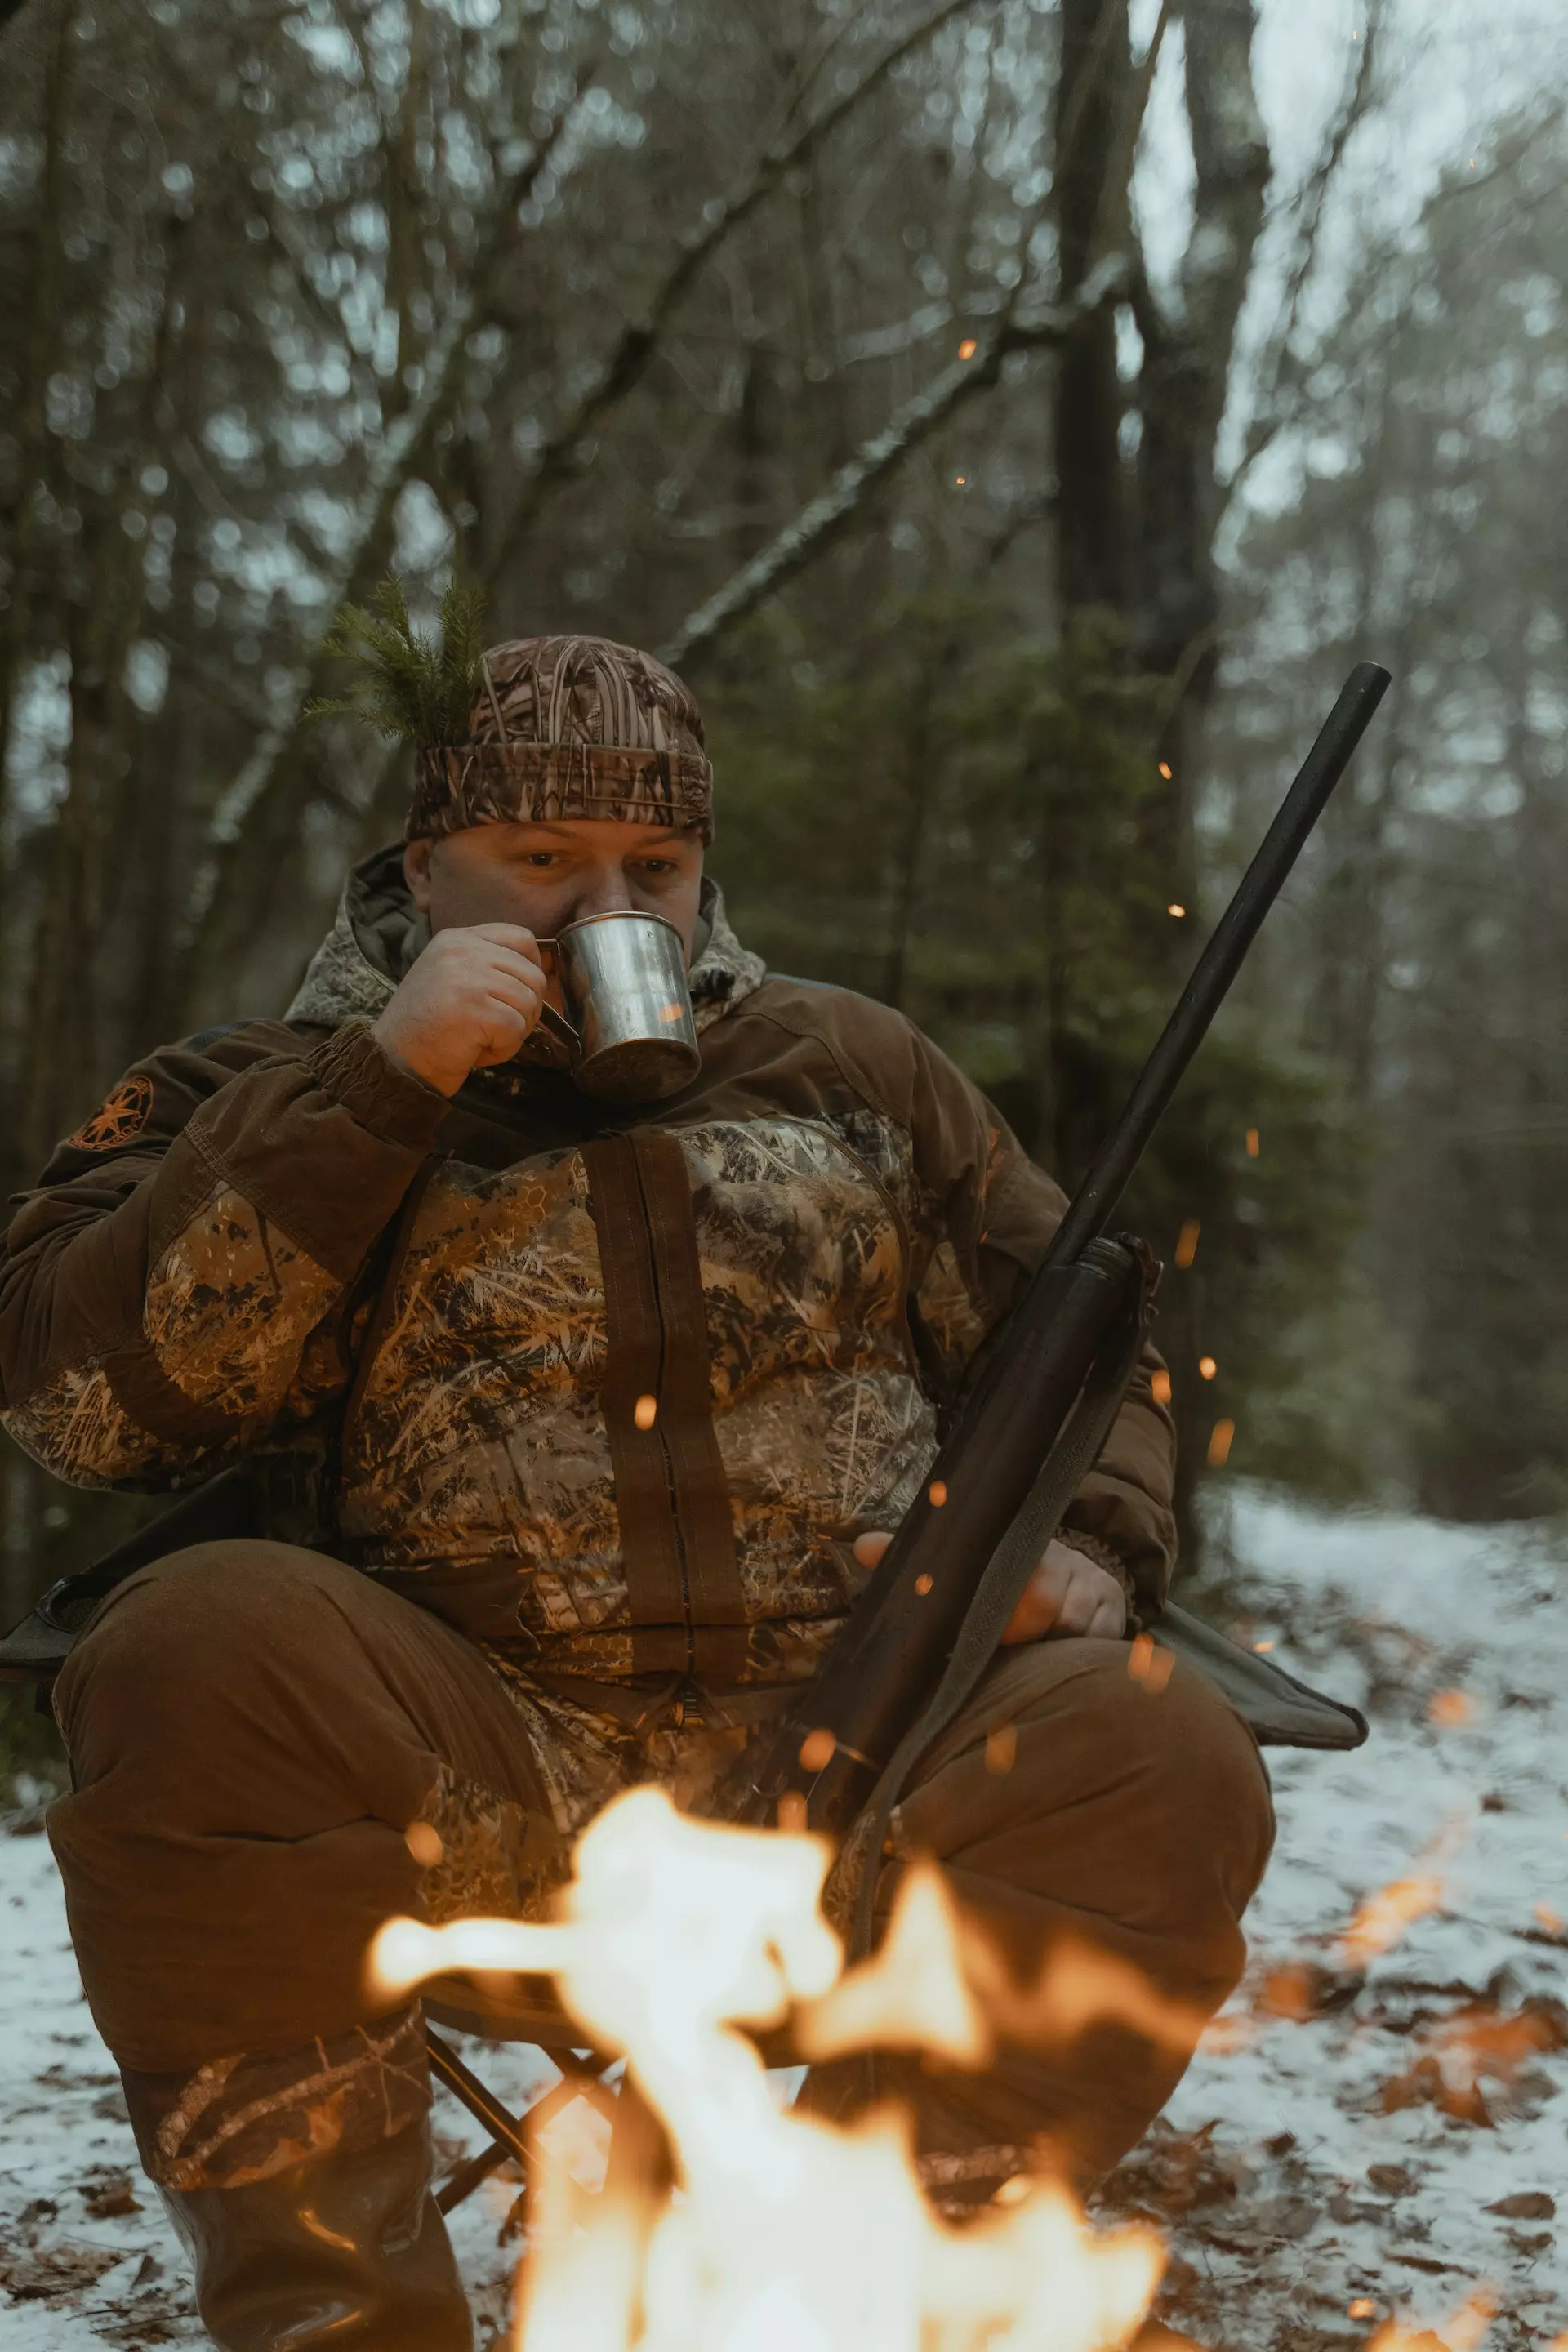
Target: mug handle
(557,1023)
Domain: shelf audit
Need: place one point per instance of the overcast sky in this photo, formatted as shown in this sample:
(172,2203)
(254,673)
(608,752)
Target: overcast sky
(1448,69)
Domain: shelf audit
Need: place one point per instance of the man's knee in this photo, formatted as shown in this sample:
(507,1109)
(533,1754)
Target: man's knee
(1078,1782)
(1198,1782)
(1189,1782)
(187,1632)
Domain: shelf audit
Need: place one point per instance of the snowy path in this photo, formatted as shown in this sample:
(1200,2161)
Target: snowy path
(1308,2172)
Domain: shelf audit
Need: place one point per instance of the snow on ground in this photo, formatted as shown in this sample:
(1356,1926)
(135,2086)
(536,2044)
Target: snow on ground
(1364,2133)
(1402,2144)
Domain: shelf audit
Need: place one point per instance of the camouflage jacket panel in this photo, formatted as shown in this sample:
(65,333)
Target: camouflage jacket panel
(479,1455)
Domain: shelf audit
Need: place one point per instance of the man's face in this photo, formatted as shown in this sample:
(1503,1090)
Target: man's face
(547,875)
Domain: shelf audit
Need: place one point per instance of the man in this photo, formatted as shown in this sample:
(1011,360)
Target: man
(388,1234)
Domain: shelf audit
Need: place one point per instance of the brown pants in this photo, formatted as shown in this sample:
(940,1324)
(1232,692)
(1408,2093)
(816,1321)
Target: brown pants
(253,1728)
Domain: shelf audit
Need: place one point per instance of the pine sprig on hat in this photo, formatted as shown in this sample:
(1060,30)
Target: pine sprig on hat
(416,689)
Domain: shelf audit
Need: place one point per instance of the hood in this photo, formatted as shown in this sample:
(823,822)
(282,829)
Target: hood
(379,931)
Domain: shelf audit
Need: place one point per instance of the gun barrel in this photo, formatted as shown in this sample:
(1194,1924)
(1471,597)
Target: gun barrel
(891,1652)
(1094,1203)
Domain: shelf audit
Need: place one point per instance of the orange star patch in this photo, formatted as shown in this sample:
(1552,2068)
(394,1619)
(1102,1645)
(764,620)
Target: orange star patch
(123,1115)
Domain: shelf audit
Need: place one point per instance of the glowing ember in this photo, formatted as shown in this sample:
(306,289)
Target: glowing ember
(1207,1367)
(1452,1709)
(1382,1919)
(1166,770)
(645,1412)
(1252,1143)
(1464,2333)
(1221,1438)
(967,348)
(788,2233)
(1160,1387)
(1148,1664)
(936,1492)
(1188,1242)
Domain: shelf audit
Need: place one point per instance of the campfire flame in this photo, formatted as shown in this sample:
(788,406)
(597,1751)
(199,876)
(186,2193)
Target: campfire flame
(786,2232)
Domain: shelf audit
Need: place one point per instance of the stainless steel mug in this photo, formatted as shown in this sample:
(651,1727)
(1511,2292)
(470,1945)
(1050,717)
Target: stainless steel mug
(632,1035)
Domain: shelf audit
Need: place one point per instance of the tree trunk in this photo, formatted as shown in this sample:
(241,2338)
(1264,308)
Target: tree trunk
(1091,518)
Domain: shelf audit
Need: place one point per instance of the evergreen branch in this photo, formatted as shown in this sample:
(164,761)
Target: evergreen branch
(414,689)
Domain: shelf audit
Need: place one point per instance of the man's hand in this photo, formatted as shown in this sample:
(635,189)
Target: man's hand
(466,1003)
(1068,1593)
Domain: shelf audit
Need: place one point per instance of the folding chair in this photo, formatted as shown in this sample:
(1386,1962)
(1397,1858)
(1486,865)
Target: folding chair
(533,2016)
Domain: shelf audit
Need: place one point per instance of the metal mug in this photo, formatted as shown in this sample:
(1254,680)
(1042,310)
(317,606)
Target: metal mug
(631,1035)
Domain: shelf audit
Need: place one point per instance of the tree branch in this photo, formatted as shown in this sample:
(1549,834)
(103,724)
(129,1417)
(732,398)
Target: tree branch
(1278,367)
(561,453)
(402,447)
(875,460)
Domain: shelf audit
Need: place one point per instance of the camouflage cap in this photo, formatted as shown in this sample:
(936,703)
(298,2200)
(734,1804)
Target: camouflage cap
(570,727)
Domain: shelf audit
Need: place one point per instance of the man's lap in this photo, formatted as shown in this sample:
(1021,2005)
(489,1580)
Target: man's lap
(254,1728)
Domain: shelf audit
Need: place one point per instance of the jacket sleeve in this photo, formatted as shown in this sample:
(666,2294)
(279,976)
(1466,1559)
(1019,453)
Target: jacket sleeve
(994,1212)
(172,1291)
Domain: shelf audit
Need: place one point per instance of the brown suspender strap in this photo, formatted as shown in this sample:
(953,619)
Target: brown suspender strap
(678,1545)
(701,1489)
(651,1553)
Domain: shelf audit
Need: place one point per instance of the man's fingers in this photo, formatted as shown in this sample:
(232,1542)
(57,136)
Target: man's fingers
(1039,1612)
(521,965)
(515,936)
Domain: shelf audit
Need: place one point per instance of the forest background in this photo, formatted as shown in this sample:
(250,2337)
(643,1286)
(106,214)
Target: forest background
(1015,417)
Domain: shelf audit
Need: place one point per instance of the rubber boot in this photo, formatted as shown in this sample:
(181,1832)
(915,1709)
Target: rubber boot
(347,2252)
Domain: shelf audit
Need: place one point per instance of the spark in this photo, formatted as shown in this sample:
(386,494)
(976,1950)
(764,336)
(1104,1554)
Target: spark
(1381,1919)
(961,479)
(1451,1708)
(1546,1917)
(1263,1648)
(817,1751)
(1463,2333)
(1166,770)
(1220,1438)
(645,1412)
(1188,1242)
(1364,2306)
(1252,1143)
(424,1843)
(922,1585)
(967,348)
(1207,1367)
(1149,1665)
(1160,1389)
(936,1494)
(1174,910)
(1001,1748)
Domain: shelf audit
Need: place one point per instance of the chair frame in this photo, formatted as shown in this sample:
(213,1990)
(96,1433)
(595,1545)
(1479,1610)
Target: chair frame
(512,2136)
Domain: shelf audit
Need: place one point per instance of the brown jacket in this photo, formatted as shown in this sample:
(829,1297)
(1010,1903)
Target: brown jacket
(274,1233)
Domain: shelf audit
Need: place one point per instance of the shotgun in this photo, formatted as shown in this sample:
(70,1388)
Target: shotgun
(928,1621)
